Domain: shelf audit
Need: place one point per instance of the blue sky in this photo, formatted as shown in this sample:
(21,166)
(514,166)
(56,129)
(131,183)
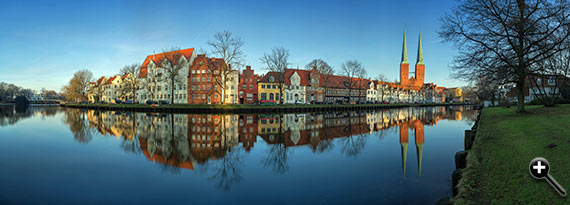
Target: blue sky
(43,43)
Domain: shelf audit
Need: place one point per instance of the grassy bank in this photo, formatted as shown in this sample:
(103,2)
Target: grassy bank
(498,164)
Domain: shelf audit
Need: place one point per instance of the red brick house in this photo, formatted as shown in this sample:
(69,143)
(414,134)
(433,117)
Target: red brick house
(202,86)
(248,86)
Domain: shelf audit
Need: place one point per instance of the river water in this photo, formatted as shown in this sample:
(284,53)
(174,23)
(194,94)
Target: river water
(65,155)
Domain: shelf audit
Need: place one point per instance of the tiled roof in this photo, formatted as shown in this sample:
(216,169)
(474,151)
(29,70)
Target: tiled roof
(303,74)
(110,80)
(143,73)
(125,76)
(335,81)
(157,58)
(203,62)
(100,80)
(276,75)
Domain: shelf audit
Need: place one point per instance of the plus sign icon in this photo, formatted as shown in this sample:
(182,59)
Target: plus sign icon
(539,169)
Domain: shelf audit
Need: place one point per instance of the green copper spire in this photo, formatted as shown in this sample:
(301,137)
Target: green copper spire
(419,151)
(404,50)
(420,53)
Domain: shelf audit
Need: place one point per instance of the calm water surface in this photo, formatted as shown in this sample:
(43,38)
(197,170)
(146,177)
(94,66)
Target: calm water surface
(58,155)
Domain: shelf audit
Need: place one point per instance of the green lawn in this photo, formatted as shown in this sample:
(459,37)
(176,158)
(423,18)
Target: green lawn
(506,142)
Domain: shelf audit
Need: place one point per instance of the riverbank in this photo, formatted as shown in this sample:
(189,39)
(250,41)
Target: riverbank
(287,108)
(498,164)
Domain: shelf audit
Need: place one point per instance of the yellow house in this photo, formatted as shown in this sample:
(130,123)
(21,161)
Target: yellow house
(269,87)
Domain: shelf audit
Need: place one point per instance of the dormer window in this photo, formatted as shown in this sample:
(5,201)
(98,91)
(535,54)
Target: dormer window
(538,81)
(271,79)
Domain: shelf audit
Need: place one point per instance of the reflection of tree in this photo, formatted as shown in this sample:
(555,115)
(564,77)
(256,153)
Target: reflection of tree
(10,116)
(277,158)
(353,145)
(131,146)
(78,125)
(325,145)
(226,171)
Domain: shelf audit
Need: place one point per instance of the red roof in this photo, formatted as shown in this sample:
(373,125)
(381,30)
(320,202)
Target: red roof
(303,74)
(100,80)
(143,73)
(161,56)
(276,75)
(124,76)
(335,81)
(110,80)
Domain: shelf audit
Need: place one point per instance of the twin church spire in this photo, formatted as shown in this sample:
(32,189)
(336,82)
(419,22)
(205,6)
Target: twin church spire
(420,57)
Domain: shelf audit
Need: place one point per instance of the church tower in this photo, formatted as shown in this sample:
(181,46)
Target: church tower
(404,65)
(420,66)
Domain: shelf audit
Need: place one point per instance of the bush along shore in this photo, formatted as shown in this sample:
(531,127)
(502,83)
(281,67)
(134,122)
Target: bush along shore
(238,108)
(494,169)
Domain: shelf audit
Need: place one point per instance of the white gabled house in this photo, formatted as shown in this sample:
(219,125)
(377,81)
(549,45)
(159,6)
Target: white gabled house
(154,84)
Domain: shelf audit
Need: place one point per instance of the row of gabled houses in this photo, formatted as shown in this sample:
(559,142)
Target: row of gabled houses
(183,77)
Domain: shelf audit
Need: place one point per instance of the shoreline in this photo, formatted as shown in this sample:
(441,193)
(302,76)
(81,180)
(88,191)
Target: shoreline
(213,109)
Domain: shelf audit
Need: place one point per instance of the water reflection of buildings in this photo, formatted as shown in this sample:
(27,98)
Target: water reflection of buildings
(183,140)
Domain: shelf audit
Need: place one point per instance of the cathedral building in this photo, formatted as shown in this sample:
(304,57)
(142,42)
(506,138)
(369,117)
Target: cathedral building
(417,80)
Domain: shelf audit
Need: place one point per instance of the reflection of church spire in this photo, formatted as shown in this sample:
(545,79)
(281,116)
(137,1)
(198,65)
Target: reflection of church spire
(404,144)
(419,132)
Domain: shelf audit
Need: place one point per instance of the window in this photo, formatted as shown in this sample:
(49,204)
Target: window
(270,96)
(276,96)
(551,81)
(244,87)
(263,96)
(538,81)
(274,86)
(250,86)
(262,85)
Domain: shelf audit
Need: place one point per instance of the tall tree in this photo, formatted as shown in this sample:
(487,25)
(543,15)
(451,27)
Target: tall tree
(324,68)
(172,65)
(229,47)
(222,75)
(504,40)
(130,84)
(351,70)
(382,77)
(76,89)
(277,61)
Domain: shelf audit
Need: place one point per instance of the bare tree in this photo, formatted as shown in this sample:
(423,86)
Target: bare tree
(324,69)
(382,77)
(277,61)
(504,40)
(322,66)
(130,84)
(351,70)
(229,47)
(172,65)
(222,74)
